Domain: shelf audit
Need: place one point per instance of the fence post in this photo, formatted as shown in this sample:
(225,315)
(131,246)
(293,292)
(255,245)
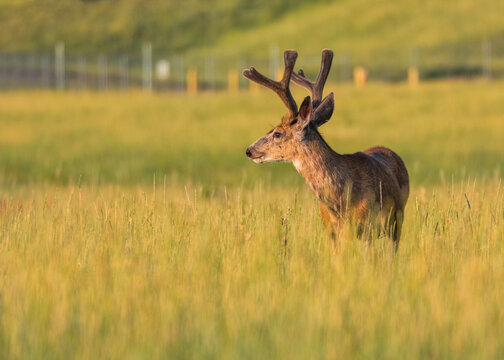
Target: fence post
(210,72)
(32,70)
(15,73)
(192,81)
(147,66)
(360,76)
(4,80)
(279,74)
(82,73)
(274,63)
(7,71)
(59,53)
(2,71)
(254,87)
(124,71)
(233,81)
(413,77)
(45,68)
(102,72)
(180,73)
(486,48)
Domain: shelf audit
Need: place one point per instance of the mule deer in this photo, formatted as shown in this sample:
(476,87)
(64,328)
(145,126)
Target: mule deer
(371,187)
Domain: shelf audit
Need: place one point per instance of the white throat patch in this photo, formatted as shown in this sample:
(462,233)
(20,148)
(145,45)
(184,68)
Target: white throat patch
(297,165)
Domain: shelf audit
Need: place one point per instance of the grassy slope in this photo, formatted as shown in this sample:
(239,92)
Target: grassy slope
(362,27)
(380,35)
(104,26)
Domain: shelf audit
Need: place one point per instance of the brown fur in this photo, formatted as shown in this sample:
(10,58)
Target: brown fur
(370,187)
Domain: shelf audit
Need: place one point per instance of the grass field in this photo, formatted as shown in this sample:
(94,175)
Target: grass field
(133,226)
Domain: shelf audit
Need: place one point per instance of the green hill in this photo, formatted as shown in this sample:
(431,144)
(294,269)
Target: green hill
(382,35)
(96,26)
(442,37)
(241,26)
(363,26)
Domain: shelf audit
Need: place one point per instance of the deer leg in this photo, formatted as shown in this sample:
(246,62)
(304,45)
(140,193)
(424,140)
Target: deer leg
(396,236)
(331,222)
(326,216)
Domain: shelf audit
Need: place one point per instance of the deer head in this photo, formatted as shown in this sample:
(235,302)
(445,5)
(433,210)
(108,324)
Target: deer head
(371,186)
(283,142)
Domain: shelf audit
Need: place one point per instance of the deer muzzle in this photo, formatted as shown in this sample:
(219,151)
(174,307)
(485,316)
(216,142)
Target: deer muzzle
(254,155)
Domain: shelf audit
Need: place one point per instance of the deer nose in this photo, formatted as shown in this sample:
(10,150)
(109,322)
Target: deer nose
(248,153)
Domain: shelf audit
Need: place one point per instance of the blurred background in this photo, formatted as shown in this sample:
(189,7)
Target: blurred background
(173,45)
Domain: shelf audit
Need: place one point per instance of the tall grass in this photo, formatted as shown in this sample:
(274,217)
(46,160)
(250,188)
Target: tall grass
(176,272)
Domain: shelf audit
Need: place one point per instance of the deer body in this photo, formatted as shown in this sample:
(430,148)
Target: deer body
(370,187)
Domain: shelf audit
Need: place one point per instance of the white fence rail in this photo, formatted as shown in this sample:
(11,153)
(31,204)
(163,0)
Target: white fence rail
(62,71)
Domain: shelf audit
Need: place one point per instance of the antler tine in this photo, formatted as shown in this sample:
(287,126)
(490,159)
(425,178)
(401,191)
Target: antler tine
(316,88)
(281,88)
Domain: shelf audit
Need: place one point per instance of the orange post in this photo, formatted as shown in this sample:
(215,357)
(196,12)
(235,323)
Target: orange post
(413,78)
(254,87)
(360,76)
(192,81)
(279,74)
(233,81)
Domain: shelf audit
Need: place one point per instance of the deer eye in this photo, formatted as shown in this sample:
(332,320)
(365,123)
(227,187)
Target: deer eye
(277,135)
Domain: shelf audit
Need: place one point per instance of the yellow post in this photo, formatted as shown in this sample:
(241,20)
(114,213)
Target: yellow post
(254,87)
(279,74)
(192,81)
(360,76)
(413,76)
(233,81)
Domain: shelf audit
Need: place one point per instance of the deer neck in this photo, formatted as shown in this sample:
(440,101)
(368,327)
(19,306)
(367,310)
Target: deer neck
(319,165)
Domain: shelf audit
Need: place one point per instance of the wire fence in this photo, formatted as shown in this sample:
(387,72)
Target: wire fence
(150,71)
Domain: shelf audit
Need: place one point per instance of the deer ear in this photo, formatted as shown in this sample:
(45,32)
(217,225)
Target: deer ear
(305,112)
(324,111)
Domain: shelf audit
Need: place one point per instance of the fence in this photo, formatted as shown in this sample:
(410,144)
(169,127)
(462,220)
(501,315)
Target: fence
(150,71)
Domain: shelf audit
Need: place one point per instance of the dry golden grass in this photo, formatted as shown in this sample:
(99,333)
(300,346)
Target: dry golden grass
(126,273)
